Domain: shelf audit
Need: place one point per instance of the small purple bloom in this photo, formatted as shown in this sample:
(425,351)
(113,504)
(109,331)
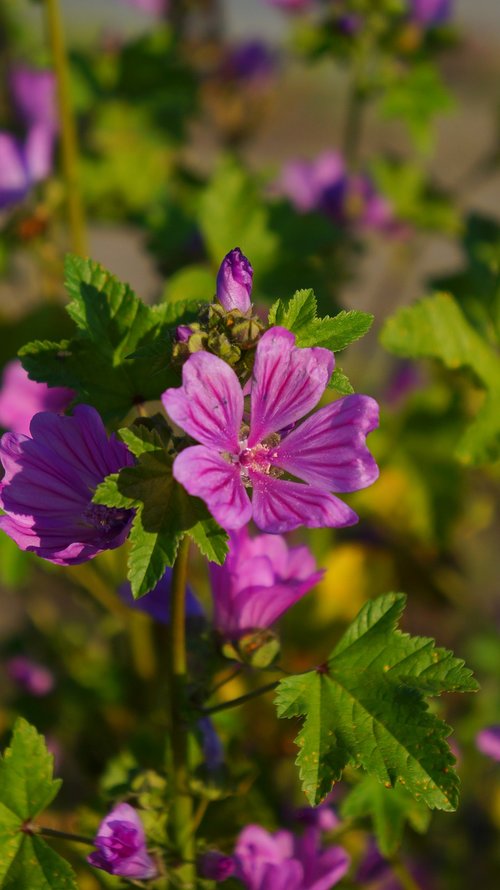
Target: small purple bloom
(216,866)
(249,62)
(50,478)
(183,333)
(488,741)
(21,398)
(430,13)
(157,602)
(152,7)
(260,579)
(283,861)
(34,94)
(33,678)
(327,451)
(234,281)
(121,845)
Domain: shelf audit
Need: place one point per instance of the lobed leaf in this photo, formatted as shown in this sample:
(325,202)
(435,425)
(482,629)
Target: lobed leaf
(300,316)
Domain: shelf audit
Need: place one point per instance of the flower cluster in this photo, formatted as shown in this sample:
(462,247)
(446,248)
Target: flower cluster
(25,162)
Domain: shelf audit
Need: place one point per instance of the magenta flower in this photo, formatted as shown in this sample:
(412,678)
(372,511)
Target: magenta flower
(216,866)
(33,678)
(291,5)
(234,281)
(21,398)
(50,478)
(430,13)
(488,741)
(153,7)
(34,94)
(283,861)
(260,579)
(121,845)
(326,452)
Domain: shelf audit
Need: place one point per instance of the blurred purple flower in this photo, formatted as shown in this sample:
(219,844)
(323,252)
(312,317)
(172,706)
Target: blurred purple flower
(234,281)
(376,872)
(430,13)
(157,602)
(327,451)
(153,7)
(283,861)
(50,478)
(33,678)
(21,398)
(25,162)
(213,751)
(291,5)
(216,866)
(488,741)
(322,818)
(325,185)
(260,579)
(121,845)
(405,377)
(249,62)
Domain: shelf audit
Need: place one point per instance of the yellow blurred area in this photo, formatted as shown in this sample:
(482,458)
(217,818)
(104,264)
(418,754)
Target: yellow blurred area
(354,573)
(401,499)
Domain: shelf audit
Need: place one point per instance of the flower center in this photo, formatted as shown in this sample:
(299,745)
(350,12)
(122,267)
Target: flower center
(258,458)
(107,520)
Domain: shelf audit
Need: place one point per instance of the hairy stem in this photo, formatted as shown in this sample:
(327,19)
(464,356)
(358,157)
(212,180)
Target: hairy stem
(235,702)
(182,803)
(28,828)
(69,145)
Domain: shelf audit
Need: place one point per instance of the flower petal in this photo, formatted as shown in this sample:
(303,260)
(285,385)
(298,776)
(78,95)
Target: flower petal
(281,506)
(209,404)
(287,382)
(329,449)
(206,474)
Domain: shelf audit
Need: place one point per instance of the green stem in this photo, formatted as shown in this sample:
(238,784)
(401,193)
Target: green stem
(182,803)
(69,145)
(352,126)
(54,832)
(235,702)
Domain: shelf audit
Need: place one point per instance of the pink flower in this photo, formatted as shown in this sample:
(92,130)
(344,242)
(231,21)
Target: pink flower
(33,678)
(153,7)
(234,281)
(488,741)
(283,861)
(21,398)
(260,579)
(121,845)
(326,452)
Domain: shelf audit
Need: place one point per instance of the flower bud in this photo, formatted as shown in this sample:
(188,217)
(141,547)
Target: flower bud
(234,281)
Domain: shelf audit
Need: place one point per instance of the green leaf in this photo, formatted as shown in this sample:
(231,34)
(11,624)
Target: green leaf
(26,788)
(165,512)
(108,362)
(366,707)
(436,327)
(300,316)
(340,382)
(389,808)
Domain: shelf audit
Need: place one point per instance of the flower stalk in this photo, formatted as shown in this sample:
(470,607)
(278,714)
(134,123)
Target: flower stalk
(69,144)
(182,816)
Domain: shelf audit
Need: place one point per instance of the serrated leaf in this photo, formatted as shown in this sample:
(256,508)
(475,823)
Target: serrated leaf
(389,809)
(108,362)
(366,707)
(340,382)
(299,316)
(38,867)
(26,783)
(436,327)
(26,788)
(165,512)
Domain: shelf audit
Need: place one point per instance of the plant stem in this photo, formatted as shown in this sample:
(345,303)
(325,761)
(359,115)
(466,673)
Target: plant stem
(235,702)
(352,126)
(69,145)
(406,880)
(182,803)
(54,832)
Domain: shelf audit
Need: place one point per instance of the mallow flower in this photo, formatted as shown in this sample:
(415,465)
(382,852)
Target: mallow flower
(31,677)
(234,281)
(327,452)
(430,13)
(261,578)
(50,479)
(488,741)
(21,398)
(121,845)
(284,861)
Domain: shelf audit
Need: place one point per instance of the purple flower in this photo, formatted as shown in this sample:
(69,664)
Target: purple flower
(234,281)
(21,398)
(249,62)
(34,94)
(430,13)
(216,866)
(291,5)
(282,861)
(121,845)
(260,579)
(157,602)
(376,872)
(323,818)
(50,478)
(488,741)
(153,7)
(33,678)
(327,451)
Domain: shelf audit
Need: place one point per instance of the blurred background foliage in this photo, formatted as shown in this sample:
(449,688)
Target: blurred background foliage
(186,125)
